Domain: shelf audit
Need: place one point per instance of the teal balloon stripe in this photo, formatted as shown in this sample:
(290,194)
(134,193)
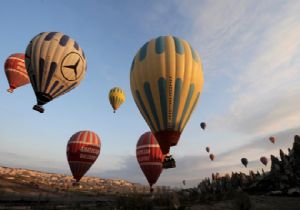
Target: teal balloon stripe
(142,106)
(187,104)
(148,93)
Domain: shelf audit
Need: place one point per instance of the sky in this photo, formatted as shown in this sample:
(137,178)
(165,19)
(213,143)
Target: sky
(250,52)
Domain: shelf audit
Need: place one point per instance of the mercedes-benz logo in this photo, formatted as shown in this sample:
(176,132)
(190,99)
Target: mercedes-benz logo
(72,66)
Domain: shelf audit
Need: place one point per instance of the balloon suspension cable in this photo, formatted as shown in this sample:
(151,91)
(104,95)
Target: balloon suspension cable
(10,90)
(38,108)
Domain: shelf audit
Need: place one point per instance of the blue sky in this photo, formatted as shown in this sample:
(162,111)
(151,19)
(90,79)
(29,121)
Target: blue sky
(250,52)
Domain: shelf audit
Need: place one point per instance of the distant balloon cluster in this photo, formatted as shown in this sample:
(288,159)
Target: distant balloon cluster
(166,81)
(263,159)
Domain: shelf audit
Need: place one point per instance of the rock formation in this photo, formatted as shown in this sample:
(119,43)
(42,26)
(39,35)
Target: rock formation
(283,178)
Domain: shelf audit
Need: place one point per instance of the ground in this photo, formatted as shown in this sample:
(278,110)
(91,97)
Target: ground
(21,193)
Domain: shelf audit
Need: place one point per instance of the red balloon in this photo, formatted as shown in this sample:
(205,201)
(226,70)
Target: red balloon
(272,139)
(15,71)
(212,157)
(83,150)
(150,157)
(264,160)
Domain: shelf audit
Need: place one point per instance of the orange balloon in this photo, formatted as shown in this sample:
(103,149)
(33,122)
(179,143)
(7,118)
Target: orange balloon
(15,71)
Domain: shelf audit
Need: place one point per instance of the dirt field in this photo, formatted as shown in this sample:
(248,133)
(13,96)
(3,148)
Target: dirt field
(15,195)
(257,203)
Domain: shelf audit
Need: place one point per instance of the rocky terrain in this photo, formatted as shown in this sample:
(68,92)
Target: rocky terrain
(59,182)
(28,189)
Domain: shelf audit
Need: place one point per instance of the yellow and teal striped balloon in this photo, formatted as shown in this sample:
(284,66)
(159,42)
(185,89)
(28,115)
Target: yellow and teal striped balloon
(55,64)
(166,81)
(116,97)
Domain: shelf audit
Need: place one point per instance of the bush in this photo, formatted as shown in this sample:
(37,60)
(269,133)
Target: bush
(242,202)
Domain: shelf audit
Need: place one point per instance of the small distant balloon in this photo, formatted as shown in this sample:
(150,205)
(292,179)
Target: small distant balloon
(116,97)
(203,125)
(244,162)
(212,157)
(207,149)
(264,160)
(272,139)
(183,182)
(15,71)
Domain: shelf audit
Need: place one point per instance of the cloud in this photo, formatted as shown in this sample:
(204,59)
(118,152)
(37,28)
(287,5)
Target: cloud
(250,52)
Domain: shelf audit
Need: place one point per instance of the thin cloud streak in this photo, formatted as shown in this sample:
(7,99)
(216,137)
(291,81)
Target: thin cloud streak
(255,47)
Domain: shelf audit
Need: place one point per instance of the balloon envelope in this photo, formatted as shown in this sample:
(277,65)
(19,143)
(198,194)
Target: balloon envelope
(212,157)
(272,139)
(264,160)
(116,97)
(203,125)
(207,149)
(149,157)
(166,80)
(55,64)
(15,71)
(83,150)
(244,162)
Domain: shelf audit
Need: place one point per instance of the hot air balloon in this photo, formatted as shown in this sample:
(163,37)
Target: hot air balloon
(272,139)
(203,125)
(183,182)
(207,149)
(166,81)
(212,157)
(55,64)
(244,162)
(264,160)
(150,157)
(83,150)
(116,97)
(15,71)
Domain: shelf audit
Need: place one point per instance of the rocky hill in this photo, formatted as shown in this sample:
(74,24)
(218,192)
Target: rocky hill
(41,181)
(282,179)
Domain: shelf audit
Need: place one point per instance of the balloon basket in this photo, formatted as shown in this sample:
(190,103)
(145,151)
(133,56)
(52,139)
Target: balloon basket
(38,108)
(169,162)
(10,90)
(76,184)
